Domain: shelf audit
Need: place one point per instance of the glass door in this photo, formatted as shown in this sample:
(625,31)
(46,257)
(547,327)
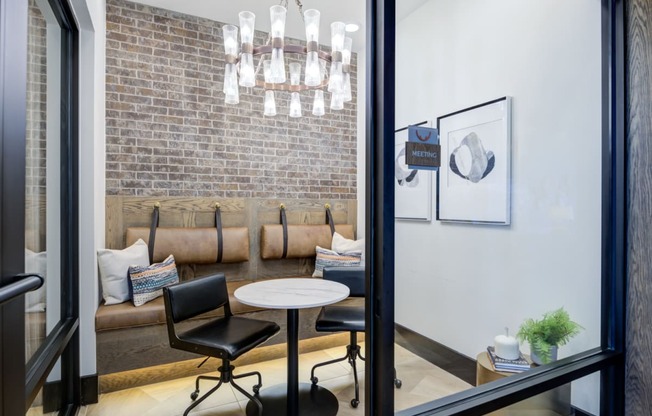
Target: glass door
(513,231)
(42,177)
(511,226)
(38,313)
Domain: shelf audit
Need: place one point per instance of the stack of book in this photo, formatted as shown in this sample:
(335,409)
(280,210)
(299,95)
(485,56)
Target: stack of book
(507,366)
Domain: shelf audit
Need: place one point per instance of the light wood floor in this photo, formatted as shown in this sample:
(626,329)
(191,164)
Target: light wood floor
(422,382)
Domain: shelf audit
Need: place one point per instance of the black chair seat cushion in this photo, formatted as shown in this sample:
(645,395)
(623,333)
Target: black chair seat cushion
(340,318)
(232,335)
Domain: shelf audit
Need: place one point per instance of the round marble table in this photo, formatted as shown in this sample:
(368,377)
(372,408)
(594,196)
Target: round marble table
(293,294)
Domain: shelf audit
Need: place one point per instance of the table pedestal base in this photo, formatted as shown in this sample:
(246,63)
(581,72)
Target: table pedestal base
(313,400)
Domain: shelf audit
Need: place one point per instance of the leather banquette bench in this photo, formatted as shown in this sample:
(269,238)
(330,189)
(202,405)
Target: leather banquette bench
(131,338)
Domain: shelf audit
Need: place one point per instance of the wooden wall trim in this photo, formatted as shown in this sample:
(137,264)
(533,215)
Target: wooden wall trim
(638,370)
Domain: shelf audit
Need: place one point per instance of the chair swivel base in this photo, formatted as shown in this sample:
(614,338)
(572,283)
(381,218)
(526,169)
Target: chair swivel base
(226,376)
(313,401)
(353,352)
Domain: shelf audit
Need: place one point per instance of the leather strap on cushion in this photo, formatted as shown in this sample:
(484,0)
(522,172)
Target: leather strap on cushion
(220,237)
(284,224)
(301,239)
(152,234)
(195,245)
(329,219)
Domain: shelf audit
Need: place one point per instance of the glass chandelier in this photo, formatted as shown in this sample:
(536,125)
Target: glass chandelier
(240,70)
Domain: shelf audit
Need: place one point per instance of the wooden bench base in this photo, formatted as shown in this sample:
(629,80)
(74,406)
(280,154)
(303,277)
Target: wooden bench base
(135,348)
(155,374)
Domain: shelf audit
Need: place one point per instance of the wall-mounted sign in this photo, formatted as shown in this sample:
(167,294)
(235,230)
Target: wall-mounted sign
(422,155)
(422,151)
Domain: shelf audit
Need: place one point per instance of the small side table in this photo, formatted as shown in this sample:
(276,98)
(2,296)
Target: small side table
(550,403)
(293,398)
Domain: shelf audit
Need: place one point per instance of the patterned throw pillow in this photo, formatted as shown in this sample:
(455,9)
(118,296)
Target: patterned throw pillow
(327,257)
(147,282)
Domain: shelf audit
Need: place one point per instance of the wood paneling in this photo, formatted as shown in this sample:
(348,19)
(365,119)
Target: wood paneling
(638,390)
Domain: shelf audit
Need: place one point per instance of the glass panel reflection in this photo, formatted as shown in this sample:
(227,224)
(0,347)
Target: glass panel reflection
(510,229)
(555,402)
(582,396)
(41,176)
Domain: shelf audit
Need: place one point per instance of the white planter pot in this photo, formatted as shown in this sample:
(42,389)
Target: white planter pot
(537,360)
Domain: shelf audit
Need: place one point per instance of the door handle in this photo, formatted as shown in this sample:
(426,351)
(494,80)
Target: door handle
(24,283)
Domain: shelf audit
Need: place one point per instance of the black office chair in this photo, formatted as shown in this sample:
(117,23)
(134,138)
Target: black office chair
(346,318)
(226,337)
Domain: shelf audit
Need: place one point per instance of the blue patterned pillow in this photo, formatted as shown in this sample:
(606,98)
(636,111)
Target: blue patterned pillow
(147,282)
(327,257)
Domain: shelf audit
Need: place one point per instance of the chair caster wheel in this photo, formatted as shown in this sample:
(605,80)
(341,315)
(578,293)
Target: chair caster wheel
(314,380)
(193,395)
(398,383)
(355,403)
(256,389)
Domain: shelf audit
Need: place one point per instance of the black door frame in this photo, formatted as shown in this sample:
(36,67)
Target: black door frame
(609,357)
(13,89)
(62,341)
(379,209)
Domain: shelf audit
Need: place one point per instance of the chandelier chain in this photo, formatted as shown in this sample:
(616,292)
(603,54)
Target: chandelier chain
(300,6)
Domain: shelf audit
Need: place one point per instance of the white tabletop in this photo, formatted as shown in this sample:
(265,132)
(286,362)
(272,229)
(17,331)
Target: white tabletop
(293,293)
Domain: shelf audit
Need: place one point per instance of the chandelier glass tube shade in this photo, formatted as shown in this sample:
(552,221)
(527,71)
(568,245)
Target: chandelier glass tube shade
(241,71)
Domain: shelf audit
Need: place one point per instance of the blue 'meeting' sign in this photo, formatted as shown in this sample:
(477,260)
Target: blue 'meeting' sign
(422,151)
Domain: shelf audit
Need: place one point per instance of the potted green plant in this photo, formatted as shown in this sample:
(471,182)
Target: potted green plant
(547,334)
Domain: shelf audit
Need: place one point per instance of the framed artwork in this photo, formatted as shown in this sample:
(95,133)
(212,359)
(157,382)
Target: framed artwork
(474,181)
(413,188)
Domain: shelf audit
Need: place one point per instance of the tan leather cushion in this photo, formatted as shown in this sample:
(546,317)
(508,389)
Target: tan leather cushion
(195,245)
(126,315)
(302,239)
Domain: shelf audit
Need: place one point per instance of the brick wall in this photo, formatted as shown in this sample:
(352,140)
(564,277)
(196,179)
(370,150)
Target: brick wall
(169,132)
(36,129)
(36,102)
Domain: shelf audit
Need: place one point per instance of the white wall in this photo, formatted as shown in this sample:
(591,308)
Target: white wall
(90,16)
(460,285)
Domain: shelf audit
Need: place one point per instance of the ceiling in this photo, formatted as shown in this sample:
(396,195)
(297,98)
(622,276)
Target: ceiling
(348,11)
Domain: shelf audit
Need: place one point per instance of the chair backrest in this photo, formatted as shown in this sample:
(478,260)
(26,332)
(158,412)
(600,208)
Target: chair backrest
(353,277)
(194,297)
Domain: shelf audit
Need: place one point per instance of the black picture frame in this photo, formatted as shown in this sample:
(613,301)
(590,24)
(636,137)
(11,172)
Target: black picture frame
(482,194)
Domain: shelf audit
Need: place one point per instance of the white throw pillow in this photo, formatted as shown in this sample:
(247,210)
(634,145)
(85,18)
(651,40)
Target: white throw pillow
(36,263)
(344,245)
(114,270)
